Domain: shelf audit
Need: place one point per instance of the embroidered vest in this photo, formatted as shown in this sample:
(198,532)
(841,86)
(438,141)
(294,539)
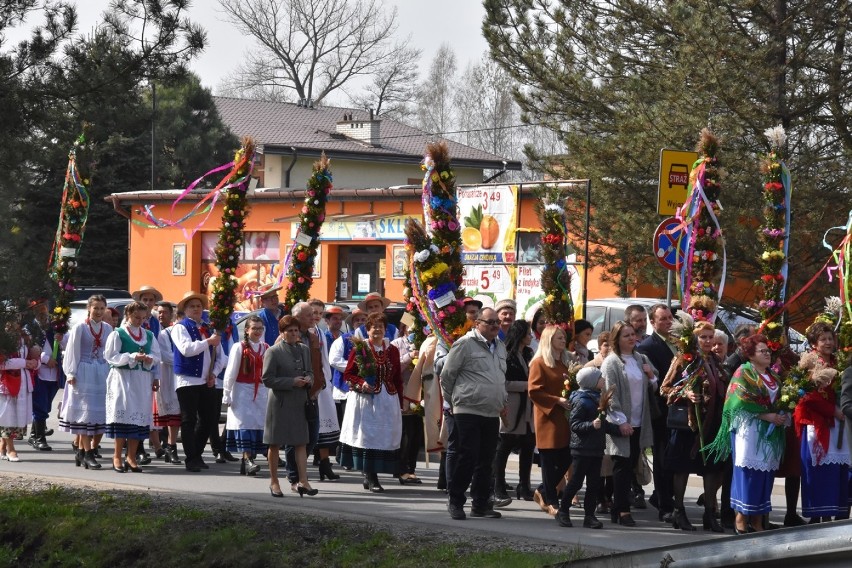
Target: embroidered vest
(152,324)
(337,376)
(189,366)
(130,346)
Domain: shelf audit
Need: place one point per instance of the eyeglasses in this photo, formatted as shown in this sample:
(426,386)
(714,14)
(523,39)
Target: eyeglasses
(489,322)
(764,351)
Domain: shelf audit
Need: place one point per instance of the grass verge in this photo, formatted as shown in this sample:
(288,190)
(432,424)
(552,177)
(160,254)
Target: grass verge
(74,527)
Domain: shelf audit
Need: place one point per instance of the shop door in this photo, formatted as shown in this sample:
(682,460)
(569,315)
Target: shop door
(358,268)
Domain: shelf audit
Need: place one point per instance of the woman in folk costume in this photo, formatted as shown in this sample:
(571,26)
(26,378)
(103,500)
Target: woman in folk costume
(166,405)
(246,396)
(84,400)
(16,388)
(824,451)
(372,425)
(753,431)
(132,352)
(329,427)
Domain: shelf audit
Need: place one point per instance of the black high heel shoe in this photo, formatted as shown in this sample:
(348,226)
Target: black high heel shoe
(128,467)
(305,491)
(711,524)
(78,458)
(681,521)
(274,494)
(118,469)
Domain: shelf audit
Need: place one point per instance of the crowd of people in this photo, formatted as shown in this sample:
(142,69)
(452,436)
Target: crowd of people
(358,390)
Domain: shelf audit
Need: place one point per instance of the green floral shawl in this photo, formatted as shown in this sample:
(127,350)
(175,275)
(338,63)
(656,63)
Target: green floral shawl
(746,398)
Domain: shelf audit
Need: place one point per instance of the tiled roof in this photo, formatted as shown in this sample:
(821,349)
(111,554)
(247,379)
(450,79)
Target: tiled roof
(288,124)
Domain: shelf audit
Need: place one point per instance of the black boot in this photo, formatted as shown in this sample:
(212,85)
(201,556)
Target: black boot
(40,440)
(78,457)
(172,455)
(681,521)
(326,472)
(710,522)
(89,460)
(251,467)
(373,483)
(523,491)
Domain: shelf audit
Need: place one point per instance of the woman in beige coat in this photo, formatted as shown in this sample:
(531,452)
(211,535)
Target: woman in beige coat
(627,372)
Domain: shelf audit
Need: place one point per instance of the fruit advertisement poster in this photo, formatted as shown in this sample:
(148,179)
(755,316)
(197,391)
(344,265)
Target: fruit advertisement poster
(489,283)
(488,215)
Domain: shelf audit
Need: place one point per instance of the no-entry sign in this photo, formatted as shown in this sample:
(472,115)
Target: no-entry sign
(666,249)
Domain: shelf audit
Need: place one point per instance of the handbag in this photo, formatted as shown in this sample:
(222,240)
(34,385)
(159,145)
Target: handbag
(678,417)
(311,410)
(643,471)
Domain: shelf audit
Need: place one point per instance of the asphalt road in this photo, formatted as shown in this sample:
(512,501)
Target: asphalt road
(421,505)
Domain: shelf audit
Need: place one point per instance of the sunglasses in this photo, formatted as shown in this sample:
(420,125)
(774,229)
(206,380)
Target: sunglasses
(489,322)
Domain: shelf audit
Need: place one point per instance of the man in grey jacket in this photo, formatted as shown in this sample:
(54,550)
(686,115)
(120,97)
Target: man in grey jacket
(473,381)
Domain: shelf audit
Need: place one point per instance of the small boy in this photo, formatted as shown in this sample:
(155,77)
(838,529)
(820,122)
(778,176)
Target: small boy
(588,440)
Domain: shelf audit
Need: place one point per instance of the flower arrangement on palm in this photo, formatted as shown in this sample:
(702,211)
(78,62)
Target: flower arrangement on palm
(558,307)
(700,274)
(435,265)
(366,362)
(73,215)
(228,246)
(418,329)
(774,235)
(300,268)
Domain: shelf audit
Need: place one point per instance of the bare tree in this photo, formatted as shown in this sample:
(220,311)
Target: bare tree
(487,112)
(309,48)
(392,92)
(435,99)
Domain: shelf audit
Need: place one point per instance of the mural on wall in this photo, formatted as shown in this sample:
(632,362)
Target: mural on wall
(258,267)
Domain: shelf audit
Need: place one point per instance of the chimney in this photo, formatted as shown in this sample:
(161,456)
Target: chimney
(365,130)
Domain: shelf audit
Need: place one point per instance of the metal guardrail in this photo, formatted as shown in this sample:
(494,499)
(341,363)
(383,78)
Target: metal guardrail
(822,545)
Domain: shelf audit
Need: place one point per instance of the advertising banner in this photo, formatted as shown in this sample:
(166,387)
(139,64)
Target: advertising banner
(488,216)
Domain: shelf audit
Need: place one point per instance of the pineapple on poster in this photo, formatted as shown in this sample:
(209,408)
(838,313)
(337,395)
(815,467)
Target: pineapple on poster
(488,215)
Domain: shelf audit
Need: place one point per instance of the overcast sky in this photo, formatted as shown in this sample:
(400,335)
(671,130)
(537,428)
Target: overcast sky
(428,24)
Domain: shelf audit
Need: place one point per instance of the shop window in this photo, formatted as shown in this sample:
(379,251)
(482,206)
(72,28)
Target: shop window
(260,263)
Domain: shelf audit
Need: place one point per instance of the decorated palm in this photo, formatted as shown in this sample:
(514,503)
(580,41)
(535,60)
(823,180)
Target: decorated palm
(302,257)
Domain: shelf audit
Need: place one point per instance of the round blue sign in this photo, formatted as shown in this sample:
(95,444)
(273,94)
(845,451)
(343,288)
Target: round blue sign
(666,249)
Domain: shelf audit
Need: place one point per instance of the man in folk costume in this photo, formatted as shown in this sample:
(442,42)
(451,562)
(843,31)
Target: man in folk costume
(506,310)
(198,359)
(333,316)
(371,304)
(270,313)
(166,405)
(49,376)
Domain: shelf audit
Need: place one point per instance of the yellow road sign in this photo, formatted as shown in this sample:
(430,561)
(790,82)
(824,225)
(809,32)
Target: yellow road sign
(675,166)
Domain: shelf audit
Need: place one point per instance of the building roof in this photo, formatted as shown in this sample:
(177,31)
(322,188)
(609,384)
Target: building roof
(280,126)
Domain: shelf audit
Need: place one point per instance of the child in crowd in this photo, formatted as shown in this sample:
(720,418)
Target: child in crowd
(588,441)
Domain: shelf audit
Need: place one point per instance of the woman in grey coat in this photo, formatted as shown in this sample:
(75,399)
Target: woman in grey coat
(287,374)
(628,373)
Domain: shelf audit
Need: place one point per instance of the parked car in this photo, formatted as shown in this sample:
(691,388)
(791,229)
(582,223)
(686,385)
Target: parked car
(79,309)
(108,293)
(604,312)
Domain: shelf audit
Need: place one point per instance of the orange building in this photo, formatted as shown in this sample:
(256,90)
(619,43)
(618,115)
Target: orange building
(361,246)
